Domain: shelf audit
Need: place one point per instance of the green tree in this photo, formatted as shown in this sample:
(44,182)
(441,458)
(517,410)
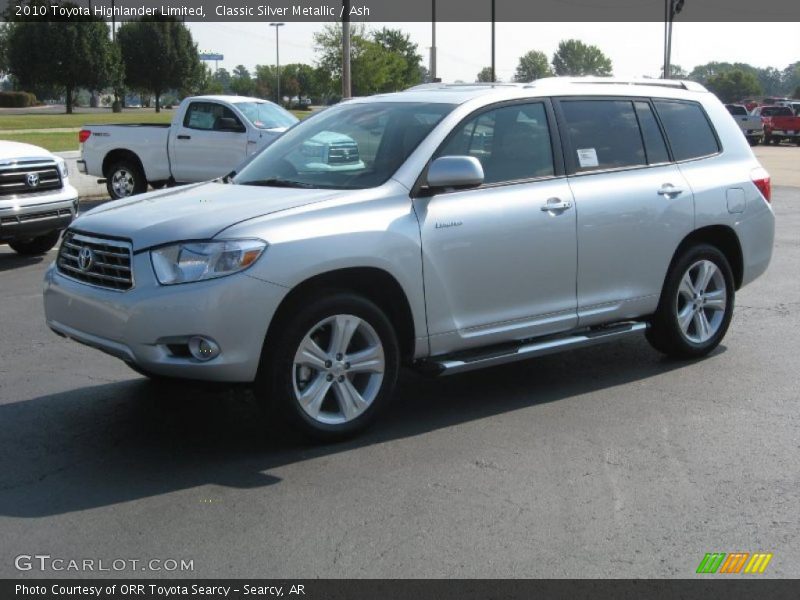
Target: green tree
(575,58)
(242,83)
(373,67)
(675,72)
(299,79)
(63,55)
(159,54)
(732,86)
(264,81)
(791,79)
(399,43)
(484,75)
(532,65)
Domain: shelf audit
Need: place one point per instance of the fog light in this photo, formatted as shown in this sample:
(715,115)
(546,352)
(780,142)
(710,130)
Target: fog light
(203,348)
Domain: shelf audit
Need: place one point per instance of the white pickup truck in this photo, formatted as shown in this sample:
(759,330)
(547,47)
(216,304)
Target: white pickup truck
(208,137)
(751,126)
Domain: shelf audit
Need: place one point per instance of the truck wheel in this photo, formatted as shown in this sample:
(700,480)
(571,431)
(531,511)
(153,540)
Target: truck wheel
(767,140)
(696,304)
(35,246)
(124,179)
(331,366)
(753,141)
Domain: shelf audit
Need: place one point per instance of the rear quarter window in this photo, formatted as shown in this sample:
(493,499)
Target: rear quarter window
(688,129)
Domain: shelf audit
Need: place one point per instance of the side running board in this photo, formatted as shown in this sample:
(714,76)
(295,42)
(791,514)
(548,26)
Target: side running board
(490,357)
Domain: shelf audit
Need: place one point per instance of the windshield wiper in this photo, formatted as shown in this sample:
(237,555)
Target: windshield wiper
(278,182)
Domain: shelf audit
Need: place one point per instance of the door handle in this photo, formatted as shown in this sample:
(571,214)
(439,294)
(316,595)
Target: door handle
(555,205)
(669,190)
(184,137)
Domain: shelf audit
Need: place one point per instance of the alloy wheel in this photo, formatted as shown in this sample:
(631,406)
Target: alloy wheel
(338,369)
(701,301)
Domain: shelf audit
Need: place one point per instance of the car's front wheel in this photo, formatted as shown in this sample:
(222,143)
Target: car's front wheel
(696,304)
(331,366)
(35,246)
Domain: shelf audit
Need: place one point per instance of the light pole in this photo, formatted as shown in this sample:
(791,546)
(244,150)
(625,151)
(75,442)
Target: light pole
(346,85)
(493,77)
(278,58)
(433,41)
(672,8)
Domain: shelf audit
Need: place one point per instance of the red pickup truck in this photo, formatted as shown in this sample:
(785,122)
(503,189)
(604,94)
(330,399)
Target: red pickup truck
(780,123)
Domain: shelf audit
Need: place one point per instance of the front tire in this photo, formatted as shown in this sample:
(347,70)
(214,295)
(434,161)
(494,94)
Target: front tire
(125,179)
(36,246)
(330,367)
(696,304)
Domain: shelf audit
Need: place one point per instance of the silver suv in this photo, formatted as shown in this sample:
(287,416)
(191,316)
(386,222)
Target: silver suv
(466,226)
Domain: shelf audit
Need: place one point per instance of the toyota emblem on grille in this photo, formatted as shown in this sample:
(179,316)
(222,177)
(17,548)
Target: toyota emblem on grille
(32,179)
(85,258)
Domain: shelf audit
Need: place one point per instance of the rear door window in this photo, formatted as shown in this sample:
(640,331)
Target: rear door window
(654,145)
(688,129)
(603,134)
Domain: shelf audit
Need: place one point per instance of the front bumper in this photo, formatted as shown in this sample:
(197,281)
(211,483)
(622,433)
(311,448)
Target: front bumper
(26,216)
(144,325)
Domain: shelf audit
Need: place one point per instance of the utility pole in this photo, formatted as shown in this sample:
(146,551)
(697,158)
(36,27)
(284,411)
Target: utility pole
(493,71)
(277,27)
(671,8)
(346,87)
(433,41)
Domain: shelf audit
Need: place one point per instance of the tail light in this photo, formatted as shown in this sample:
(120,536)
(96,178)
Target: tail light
(83,135)
(760,178)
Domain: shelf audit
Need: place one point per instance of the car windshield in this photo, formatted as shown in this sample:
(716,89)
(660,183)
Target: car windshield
(353,145)
(266,115)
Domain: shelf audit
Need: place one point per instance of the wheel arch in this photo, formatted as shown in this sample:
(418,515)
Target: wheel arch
(375,284)
(723,238)
(114,156)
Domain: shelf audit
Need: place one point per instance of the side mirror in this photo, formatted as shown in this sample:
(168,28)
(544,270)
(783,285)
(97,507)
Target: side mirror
(229,124)
(455,171)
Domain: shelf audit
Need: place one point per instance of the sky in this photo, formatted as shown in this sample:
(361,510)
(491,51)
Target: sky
(636,49)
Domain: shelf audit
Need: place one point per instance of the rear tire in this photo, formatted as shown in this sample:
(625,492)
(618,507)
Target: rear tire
(696,304)
(330,367)
(36,246)
(125,178)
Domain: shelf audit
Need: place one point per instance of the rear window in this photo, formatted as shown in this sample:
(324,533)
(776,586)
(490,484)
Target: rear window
(777,111)
(604,134)
(736,110)
(688,129)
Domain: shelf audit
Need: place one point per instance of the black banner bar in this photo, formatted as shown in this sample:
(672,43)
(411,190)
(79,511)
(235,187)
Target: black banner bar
(730,588)
(414,10)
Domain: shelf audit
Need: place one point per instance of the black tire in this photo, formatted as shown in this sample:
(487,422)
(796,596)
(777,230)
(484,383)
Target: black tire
(277,379)
(767,140)
(126,170)
(753,141)
(36,246)
(665,333)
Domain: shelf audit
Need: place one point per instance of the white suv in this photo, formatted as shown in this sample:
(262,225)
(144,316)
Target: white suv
(468,226)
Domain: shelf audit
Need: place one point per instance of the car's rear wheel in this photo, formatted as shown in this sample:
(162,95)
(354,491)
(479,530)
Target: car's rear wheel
(124,179)
(696,304)
(37,245)
(331,366)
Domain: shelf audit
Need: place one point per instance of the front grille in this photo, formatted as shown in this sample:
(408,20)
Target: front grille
(343,152)
(41,216)
(96,261)
(29,176)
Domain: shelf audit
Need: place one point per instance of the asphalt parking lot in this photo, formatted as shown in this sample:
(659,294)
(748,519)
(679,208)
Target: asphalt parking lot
(608,461)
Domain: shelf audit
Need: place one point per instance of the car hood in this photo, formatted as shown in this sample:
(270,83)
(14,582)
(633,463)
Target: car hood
(10,151)
(194,212)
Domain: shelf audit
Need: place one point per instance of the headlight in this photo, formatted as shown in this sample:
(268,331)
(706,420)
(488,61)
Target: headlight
(196,261)
(62,167)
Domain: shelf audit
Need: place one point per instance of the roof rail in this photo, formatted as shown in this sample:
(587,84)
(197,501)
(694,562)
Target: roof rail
(479,84)
(680,84)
